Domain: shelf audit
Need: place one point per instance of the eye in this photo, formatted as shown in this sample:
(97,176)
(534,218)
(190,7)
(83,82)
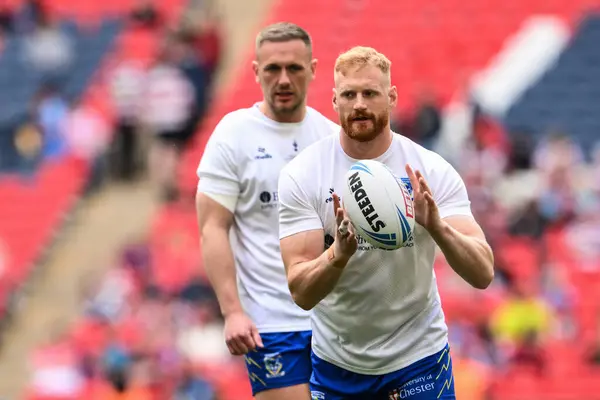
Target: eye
(348,94)
(369,93)
(272,68)
(295,68)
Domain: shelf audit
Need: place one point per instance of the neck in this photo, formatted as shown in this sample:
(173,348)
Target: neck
(296,116)
(366,150)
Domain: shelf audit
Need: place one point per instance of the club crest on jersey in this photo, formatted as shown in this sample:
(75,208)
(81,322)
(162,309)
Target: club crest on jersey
(316,395)
(273,365)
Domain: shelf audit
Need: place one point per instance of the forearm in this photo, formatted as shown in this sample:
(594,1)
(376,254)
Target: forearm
(220,269)
(311,281)
(469,257)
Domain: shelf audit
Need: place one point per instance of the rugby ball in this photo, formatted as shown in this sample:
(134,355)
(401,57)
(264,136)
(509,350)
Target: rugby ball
(379,205)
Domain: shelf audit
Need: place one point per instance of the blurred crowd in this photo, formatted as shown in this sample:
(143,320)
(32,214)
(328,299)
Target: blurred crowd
(155,109)
(539,204)
(136,340)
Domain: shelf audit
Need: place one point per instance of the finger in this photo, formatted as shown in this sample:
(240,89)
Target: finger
(413,178)
(339,217)
(336,203)
(239,346)
(248,341)
(233,348)
(257,338)
(351,237)
(343,229)
(423,183)
(351,228)
(430,201)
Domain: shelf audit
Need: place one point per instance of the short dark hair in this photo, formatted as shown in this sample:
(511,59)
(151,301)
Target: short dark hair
(283,32)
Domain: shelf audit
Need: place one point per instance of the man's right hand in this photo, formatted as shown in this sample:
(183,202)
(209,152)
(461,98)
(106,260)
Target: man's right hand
(241,335)
(345,244)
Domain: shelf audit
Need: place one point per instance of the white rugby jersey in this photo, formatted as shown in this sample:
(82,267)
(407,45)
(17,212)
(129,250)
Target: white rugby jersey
(243,158)
(385,312)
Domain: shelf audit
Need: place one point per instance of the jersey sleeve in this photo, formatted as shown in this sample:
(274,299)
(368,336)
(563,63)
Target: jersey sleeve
(296,212)
(218,169)
(450,192)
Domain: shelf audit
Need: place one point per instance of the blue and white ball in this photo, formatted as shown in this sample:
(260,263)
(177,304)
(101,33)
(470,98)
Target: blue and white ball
(379,205)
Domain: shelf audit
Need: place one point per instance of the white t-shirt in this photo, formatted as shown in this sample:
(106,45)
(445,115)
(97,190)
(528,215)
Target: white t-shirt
(243,158)
(385,312)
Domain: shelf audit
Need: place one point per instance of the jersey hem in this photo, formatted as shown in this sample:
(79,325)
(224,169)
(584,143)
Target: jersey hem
(299,229)
(284,329)
(381,371)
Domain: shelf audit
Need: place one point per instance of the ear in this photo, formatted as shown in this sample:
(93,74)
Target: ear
(313,67)
(255,69)
(393,96)
(334,100)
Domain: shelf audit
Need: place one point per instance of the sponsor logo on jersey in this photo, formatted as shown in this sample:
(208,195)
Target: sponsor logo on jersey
(262,154)
(273,365)
(268,199)
(413,388)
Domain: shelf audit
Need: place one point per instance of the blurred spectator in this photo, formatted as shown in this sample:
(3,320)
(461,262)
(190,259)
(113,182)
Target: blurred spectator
(593,355)
(55,370)
(472,378)
(557,203)
(191,386)
(521,324)
(169,103)
(127,82)
(558,292)
(145,14)
(28,142)
(51,109)
(6,19)
(428,119)
(87,135)
(49,49)
(201,23)
(557,152)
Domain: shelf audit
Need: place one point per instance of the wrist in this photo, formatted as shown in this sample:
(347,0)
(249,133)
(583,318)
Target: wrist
(438,231)
(336,258)
(232,311)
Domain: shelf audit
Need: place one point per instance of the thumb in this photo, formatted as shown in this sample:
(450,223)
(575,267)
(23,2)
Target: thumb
(256,337)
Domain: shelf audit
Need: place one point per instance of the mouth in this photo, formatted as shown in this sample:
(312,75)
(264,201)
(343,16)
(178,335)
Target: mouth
(361,119)
(284,94)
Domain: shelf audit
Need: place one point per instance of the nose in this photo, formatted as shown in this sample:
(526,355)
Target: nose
(359,104)
(284,78)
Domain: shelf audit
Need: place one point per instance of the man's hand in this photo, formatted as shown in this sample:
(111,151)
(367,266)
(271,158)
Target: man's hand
(345,243)
(426,211)
(241,335)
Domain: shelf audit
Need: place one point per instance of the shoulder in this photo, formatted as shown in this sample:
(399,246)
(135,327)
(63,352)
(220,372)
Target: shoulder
(429,162)
(231,130)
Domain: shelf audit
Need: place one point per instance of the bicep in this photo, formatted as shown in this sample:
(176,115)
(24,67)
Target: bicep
(301,247)
(212,215)
(466,226)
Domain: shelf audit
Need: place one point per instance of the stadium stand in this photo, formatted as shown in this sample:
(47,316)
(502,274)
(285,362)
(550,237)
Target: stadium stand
(52,191)
(562,99)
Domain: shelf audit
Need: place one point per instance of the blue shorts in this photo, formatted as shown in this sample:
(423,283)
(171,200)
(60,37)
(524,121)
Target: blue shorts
(428,379)
(284,361)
